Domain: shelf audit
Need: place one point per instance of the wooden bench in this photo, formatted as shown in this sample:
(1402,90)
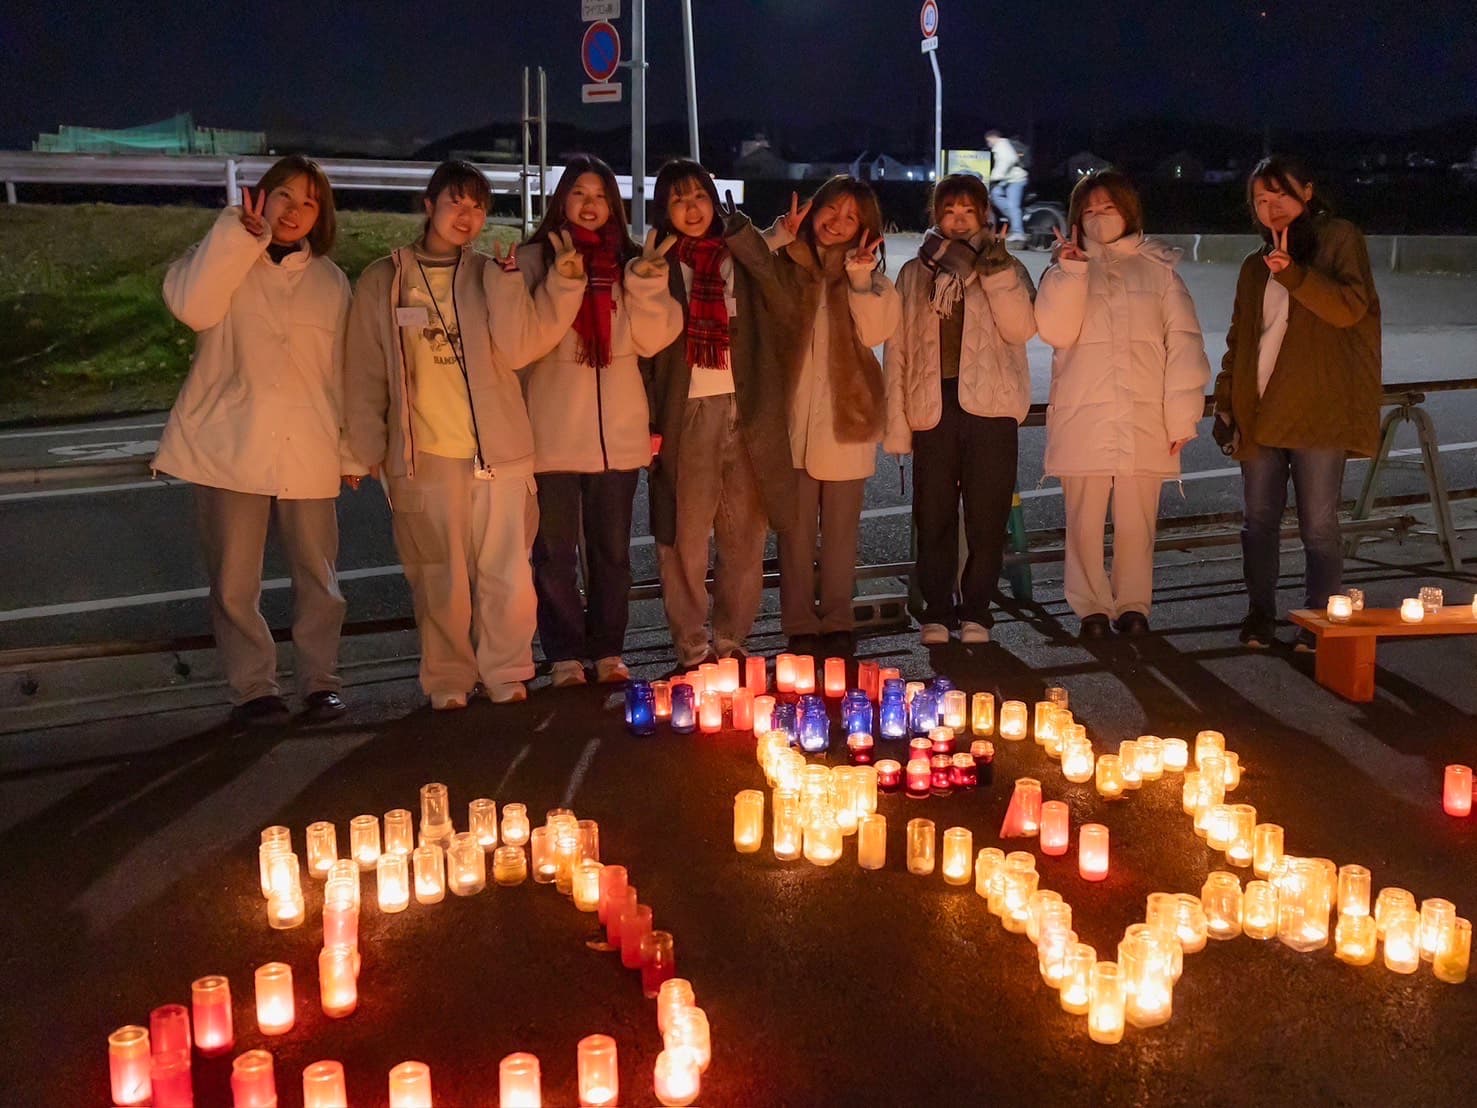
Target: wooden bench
(1346,650)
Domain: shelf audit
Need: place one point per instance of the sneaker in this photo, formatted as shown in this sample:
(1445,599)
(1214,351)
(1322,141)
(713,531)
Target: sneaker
(1015,240)
(571,671)
(325,704)
(261,711)
(1095,626)
(933,634)
(973,633)
(448,701)
(1132,623)
(611,671)
(1305,642)
(507,692)
(1258,630)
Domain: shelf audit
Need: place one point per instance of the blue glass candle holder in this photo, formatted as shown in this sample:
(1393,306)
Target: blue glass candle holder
(782,719)
(814,725)
(640,708)
(941,685)
(684,709)
(893,712)
(924,711)
(856,712)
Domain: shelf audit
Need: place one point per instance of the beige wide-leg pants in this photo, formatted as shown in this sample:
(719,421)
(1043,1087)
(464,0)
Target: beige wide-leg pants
(1130,587)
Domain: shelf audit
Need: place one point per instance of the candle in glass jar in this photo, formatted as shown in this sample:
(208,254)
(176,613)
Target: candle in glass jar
(1241,845)
(324,1086)
(658,962)
(964,771)
(518,1082)
(741,709)
(1456,799)
(1023,816)
(728,675)
(1454,953)
(869,679)
(276,1008)
(859,748)
(338,988)
(613,882)
(1076,983)
(509,865)
(1266,847)
(1105,1003)
(835,677)
(128,1066)
(748,821)
(953,710)
(940,741)
(856,712)
(1092,851)
(1207,743)
(1109,774)
(1411,611)
(274,840)
(599,1076)
(410,1085)
(756,676)
(364,841)
(393,879)
(586,884)
(1354,940)
(429,867)
(1077,760)
(786,828)
(661,700)
(1340,608)
(1387,902)
(253,1081)
(684,709)
(1128,764)
(941,774)
(763,714)
(958,859)
(1403,939)
(1353,890)
(466,865)
(515,824)
(1043,724)
(1176,755)
(399,833)
(169,1073)
(210,999)
(871,841)
(920,778)
(340,915)
(169,1028)
(784,673)
(1221,899)
(822,839)
(1055,828)
(805,675)
(322,849)
(920,856)
(707,679)
(710,712)
(636,922)
(1259,910)
(889,774)
(676,1079)
(982,713)
(1436,914)
(1012,723)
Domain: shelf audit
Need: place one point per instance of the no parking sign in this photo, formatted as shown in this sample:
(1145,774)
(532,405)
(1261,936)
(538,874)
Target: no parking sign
(600,54)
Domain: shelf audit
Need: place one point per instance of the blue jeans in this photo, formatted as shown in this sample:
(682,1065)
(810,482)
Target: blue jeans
(1006,196)
(1317,480)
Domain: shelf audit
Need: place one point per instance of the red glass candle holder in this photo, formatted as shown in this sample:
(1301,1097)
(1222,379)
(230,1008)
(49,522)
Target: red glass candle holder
(920,778)
(889,775)
(859,747)
(941,774)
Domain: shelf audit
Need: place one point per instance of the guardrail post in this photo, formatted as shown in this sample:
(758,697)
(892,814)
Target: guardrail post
(10,192)
(233,193)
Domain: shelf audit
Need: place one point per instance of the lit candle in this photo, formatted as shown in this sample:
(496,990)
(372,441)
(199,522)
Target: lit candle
(856,712)
(889,774)
(1052,953)
(1023,816)
(1012,724)
(784,673)
(1046,909)
(599,1075)
(941,740)
(169,1028)
(640,708)
(541,846)
(1266,848)
(658,962)
(920,854)
(613,882)
(393,879)
(822,839)
(1436,914)
(835,676)
(1456,798)
(869,679)
(763,714)
(1128,764)
(1353,891)
(210,1001)
(1105,1009)
(1043,725)
(756,678)
(586,886)
(435,813)
(1242,843)
(982,713)
(888,673)
(410,1085)
(1221,898)
(954,710)
(1019,881)
(1403,939)
(786,827)
(661,700)
(1092,851)
(518,1082)
(892,712)
(466,865)
(1340,608)
(674,995)
(429,865)
(1055,828)
(1191,925)
(1454,953)
(276,1008)
(748,821)
(859,748)
(1220,825)
(1109,776)
(964,771)
(169,1073)
(709,680)
(253,1082)
(338,988)
(1259,910)
(635,923)
(684,709)
(871,841)
(399,837)
(1077,760)
(728,675)
(805,675)
(688,1033)
(515,824)
(1176,755)
(958,860)
(710,712)
(741,708)
(1206,743)
(675,1078)
(1304,900)
(274,840)
(1354,940)
(988,864)
(1411,611)
(920,777)
(322,849)
(128,1066)
(323,1085)
(1076,984)
(1387,903)
(285,906)
(509,865)
(1232,776)
(1147,978)
(814,725)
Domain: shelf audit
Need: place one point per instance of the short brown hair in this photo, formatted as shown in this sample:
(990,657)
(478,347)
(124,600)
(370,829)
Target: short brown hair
(1122,191)
(325,230)
(869,211)
(961,186)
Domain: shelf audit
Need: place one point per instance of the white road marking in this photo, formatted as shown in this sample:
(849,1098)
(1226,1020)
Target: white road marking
(82,431)
(122,486)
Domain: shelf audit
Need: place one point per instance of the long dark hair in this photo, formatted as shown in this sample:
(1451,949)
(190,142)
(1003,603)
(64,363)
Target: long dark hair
(672,179)
(574,168)
(1288,174)
(869,213)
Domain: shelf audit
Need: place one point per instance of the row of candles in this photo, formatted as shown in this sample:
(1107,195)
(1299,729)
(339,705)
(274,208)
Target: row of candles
(153,1065)
(1413,609)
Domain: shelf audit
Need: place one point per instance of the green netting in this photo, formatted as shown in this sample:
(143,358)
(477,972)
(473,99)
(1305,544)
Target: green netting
(177,135)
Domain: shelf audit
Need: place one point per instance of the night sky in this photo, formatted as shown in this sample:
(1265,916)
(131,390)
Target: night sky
(420,71)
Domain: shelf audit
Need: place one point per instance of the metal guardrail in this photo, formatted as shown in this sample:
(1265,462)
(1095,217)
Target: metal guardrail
(208,171)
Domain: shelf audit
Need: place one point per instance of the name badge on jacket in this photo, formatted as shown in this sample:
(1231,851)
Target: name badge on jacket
(416,316)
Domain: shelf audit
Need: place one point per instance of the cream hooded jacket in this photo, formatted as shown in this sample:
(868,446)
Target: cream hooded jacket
(261,409)
(1128,368)
(994,377)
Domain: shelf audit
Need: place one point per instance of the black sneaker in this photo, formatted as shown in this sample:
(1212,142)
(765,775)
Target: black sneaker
(1095,626)
(1305,642)
(262,711)
(1258,630)
(1132,623)
(323,705)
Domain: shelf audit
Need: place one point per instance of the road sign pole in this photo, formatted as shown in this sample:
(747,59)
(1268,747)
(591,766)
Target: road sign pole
(689,60)
(938,116)
(638,117)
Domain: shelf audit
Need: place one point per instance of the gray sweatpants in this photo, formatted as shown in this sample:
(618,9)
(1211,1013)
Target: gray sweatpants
(718,493)
(233,531)
(1090,589)
(465,547)
(831,510)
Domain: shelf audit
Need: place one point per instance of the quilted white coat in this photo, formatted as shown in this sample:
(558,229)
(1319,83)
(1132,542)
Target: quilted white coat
(261,408)
(1128,369)
(994,377)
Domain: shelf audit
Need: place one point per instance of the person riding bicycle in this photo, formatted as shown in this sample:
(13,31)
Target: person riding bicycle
(1008,178)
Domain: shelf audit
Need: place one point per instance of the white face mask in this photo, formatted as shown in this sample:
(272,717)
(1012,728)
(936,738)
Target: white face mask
(1104,228)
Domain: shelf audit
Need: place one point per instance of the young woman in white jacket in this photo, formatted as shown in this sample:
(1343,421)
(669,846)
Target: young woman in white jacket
(1128,377)
(433,404)
(256,428)
(591,423)
(958,386)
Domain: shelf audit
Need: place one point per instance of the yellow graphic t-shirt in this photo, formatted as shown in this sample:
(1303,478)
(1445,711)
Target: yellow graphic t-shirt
(440,410)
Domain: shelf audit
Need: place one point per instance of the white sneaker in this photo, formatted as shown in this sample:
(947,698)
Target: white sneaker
(611,671)
(568,672)
(933,634)
(971,632)
(448,701)
(508,692)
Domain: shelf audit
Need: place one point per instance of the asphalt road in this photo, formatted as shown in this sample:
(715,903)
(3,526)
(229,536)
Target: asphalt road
(88,561)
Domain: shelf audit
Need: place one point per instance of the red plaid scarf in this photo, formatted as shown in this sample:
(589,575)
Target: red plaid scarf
(707,302)
(601,250)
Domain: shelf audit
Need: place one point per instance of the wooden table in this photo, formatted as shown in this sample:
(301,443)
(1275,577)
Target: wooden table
(1345,658)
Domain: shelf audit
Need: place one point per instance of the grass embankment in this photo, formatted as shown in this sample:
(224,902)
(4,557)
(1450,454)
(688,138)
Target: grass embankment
(83,326)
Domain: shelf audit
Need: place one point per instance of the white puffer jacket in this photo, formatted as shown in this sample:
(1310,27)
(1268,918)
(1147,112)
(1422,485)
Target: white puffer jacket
(262,407)
(994,376)
(1128,369)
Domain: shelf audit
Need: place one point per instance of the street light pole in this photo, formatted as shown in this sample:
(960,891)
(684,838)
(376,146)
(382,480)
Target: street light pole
(638,117)
(691,66)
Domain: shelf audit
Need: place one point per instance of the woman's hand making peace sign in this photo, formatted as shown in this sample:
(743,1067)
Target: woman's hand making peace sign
(792,220)
(1278,259)
(1067,249)
(251,212)
(861,260)
(653,260)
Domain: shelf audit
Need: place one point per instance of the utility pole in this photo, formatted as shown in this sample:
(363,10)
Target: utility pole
(691,66)
(638,117)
